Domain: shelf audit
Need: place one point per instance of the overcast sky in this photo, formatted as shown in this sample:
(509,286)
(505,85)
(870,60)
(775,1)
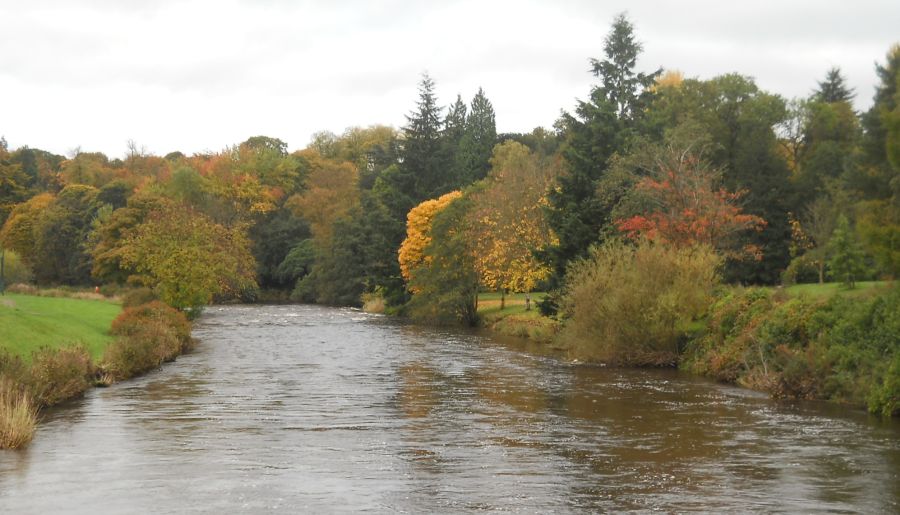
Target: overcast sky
(202,75)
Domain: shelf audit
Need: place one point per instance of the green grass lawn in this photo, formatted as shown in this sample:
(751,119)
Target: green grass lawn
(28,323)
(830,289)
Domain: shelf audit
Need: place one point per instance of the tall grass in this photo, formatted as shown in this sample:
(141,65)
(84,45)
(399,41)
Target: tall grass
(18,416)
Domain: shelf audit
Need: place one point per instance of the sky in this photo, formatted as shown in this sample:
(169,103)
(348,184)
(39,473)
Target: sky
(200,75)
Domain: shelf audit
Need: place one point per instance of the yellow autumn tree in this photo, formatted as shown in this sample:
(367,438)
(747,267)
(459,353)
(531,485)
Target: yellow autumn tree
(507,222)
(418,232)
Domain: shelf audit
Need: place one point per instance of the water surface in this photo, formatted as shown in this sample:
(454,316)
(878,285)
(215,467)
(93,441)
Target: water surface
(312,409)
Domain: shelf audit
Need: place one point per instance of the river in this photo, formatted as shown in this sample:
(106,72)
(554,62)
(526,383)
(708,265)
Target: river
(322,410)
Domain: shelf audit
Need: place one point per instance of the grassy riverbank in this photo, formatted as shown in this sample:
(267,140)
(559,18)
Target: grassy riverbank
(54,348)
(28,323)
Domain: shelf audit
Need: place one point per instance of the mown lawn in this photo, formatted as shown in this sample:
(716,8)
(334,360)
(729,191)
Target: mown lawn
(816,290)
(28,323)
(489,303)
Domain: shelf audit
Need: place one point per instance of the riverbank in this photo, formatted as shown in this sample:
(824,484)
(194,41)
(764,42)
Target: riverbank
(54,348)
(807,341)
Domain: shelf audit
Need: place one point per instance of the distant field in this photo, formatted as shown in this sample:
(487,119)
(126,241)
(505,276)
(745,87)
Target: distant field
(829,289)
(28,323)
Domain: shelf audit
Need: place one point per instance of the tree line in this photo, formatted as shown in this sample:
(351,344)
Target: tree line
(425,217)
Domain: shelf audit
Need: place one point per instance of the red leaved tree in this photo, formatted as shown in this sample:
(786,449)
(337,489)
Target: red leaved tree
(687,207)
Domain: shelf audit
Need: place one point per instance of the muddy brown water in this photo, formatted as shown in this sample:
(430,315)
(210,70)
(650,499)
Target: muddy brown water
(320,410)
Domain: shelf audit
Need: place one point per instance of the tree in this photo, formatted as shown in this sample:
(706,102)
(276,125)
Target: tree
(13,185)
(833,88)
(847,260)
(740,119)
(424,174)
(451,138)
(418,233)
(477,142)
(684,203)
(330,193)
(189,259)
(507,220)
(445,283)
(61,235)
(18,233)
(600,127)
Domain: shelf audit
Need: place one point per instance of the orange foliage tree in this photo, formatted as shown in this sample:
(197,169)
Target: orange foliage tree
(418,232)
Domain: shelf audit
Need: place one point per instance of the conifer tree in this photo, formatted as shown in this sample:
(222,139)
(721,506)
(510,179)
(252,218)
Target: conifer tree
(833,88)
(424,175)
(600,127)
(477,144)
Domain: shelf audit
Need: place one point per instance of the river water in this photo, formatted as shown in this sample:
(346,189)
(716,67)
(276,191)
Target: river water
(322,410)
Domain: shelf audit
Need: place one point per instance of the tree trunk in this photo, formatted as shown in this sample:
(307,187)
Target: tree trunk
(821,272)
(502,299)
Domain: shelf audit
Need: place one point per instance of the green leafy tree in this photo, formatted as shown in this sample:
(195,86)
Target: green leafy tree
(847,262)
(189,259)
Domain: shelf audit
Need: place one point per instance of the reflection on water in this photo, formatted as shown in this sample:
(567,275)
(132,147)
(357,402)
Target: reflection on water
(301,408)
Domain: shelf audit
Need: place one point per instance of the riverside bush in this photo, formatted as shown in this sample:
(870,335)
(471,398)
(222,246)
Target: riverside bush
(149,335)
(59,374)
(628,305)
(18,416)
(843,349)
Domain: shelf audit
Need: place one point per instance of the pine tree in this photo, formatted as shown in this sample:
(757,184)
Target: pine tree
(833,88)
(454,131)
(425,175)
(479,140)
(600,127)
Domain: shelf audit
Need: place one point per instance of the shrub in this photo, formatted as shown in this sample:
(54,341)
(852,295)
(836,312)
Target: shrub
(632,305)
(842,349)
(149,335)
(18,416)
(59,374)
(138,296)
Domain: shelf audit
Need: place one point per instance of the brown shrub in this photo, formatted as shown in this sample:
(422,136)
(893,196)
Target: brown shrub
(149,335)
(18,416)
(59,374)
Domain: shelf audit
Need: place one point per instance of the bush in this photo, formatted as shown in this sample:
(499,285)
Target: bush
(149,335)
(842,349)
(59,374)
(633,305)
(18,416)
(137,296)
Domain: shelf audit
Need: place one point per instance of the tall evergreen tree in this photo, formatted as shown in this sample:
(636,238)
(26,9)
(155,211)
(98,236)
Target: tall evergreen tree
(600,127)
(478,141)
(454,131)
(423,171)
(833,88)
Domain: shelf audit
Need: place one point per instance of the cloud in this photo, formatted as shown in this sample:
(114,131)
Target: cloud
(203,74)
